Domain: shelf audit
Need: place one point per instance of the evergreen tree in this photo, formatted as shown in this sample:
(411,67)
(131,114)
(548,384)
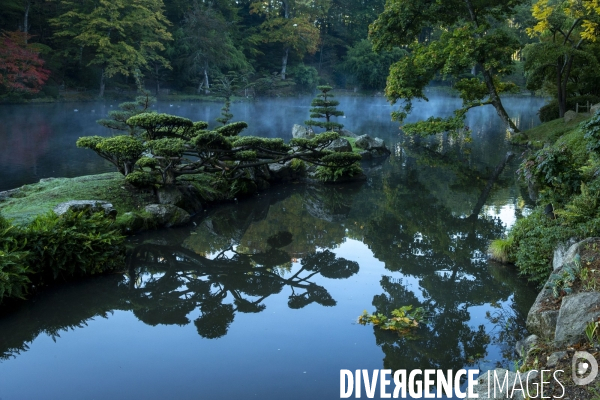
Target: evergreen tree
(324,107)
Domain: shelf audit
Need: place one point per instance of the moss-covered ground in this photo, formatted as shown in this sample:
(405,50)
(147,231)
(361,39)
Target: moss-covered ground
(39,198)
(549,132)
(352,141)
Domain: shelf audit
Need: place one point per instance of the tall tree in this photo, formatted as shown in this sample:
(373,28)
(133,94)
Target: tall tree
(21,68)
(467,38)
(206,43)
(292,24)
(564,27)
(123,35)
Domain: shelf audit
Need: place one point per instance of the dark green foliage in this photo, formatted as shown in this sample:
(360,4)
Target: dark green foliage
(117,119)
(147,162)
(368,68)
(550,111)
(306,78)
(141,179)
(211,140)
(552,168)
(324,107)
(534,240)
(160,125)
(122,151)
(592,133)
(338,165)
(261,143)
(72,245)
(14,270)
(167,148)
(200,125)
(55,248)
(232,129)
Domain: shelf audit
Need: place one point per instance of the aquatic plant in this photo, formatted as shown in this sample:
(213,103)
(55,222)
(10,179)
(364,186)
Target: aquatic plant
(404,319)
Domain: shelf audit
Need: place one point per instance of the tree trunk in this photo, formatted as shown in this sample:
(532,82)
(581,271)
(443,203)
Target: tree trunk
(206,83)
(101,83)
(562,74)
(284,62)
(496,102)
(561,96)
(26,21)
(157,80)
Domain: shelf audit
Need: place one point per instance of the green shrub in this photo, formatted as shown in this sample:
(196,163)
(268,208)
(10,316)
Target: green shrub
(13,267)
(72,245)
(552,168)
(306,77)
(534,239)
(501,249)
(592,133)
(141,179)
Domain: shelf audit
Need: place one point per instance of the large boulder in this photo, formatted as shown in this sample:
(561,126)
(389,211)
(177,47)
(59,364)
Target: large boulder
(281,172)
(570,116)
(576,312)
(594,109)
(563,253)
(366,142)
(373,148)
(541,320)
(340,145)
(169,195)
(299,131)
(92,206)
(562,256)
(167,215)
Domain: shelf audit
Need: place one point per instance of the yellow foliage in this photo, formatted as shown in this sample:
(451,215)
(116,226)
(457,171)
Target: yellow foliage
(588,11)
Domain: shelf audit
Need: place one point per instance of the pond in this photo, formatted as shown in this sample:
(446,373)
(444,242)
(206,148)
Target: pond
(259,298)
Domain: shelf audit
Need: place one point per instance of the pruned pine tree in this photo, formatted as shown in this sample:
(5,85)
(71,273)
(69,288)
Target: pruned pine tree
(324,107)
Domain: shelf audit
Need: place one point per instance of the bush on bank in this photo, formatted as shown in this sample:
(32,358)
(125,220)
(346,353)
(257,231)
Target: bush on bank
(566,176)
(53,249)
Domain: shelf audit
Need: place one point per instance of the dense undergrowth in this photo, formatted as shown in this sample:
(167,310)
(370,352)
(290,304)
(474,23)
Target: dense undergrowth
(55,248)
(566,176)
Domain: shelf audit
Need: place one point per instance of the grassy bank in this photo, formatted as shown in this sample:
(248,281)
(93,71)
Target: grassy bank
(549,132)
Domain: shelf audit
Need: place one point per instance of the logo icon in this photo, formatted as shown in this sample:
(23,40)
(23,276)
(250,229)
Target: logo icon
(583,362)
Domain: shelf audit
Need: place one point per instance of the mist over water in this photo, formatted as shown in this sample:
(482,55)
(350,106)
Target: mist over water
(38,140)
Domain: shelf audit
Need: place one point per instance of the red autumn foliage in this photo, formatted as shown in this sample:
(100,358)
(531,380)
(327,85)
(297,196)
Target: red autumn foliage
(21,68)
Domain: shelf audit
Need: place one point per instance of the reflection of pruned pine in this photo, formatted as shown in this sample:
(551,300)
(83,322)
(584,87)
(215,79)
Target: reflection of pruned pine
(169,282)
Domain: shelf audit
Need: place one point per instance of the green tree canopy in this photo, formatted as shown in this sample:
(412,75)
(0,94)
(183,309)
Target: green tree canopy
(370,69)
(124,36)
(467,38)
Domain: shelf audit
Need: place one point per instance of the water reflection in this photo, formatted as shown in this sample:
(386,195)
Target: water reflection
(291,269)
(168,282)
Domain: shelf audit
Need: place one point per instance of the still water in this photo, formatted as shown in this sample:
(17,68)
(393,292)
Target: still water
(259,299)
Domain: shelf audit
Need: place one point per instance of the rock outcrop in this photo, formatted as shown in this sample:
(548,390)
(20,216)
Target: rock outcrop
(564,325)
(340,145)
(372,147)
(92,206)
(167,215)
(299,131)
(576,311)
